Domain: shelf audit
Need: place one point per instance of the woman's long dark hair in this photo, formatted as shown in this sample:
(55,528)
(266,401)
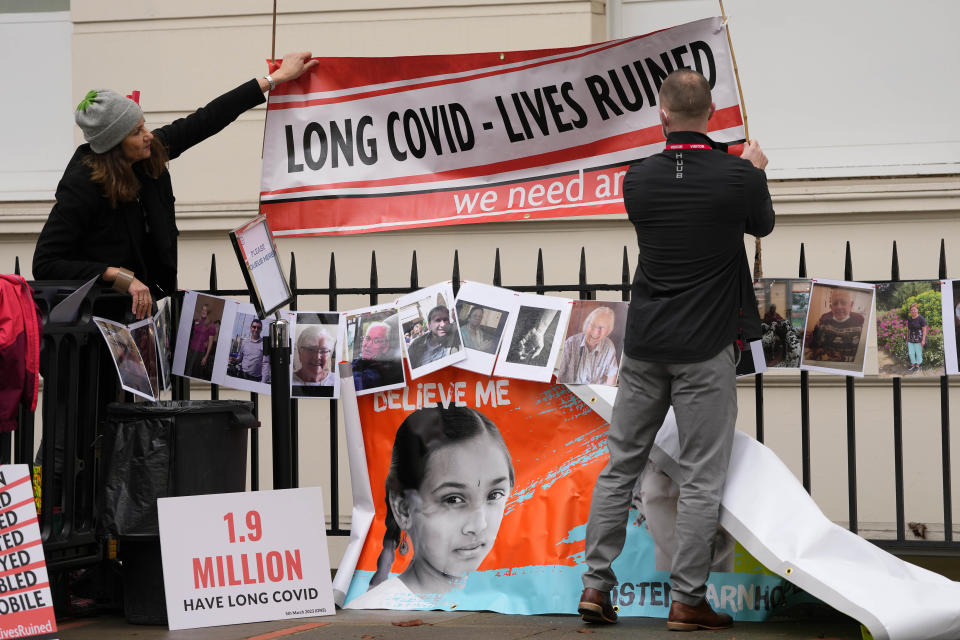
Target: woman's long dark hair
(420,434)
(116,174)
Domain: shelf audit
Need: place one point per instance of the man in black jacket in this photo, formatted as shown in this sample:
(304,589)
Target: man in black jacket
(691,302)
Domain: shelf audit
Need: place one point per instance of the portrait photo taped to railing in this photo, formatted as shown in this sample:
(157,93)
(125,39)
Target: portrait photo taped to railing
(114,213)
(691,300)
(441,339)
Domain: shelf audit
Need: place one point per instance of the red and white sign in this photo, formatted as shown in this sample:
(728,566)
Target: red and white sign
(231,558)
(374,144)
(26,608)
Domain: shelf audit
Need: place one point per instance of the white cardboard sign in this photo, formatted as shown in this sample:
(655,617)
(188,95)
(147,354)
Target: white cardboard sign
(245,557)
(262,271)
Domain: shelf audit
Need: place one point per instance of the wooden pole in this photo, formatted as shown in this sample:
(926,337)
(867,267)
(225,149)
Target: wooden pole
(270,69)
(736,73)
(758,250)
(273,40)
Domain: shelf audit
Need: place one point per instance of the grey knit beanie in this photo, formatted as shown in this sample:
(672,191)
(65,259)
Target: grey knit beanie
(106,118)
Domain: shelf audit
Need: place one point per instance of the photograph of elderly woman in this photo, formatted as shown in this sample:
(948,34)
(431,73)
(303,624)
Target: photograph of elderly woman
(909,329)
(446,490)
(314,359)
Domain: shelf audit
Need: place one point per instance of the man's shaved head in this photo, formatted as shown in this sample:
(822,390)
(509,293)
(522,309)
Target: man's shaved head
(685,94)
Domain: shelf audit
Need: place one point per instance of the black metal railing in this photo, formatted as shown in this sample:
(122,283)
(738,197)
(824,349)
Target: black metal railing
(333,293)
(78,382)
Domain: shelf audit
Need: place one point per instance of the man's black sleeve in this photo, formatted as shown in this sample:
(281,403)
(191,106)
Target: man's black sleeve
(760,216)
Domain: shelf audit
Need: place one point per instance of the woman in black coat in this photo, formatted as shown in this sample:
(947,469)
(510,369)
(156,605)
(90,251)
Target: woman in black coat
(114,212)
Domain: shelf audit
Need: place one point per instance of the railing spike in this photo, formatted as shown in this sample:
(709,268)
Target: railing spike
(540,271)
(374,279)
(582,277)
(848,264)
(943,261)
(456,271)
(895,264)
(625,276)
(293,283)
(333,282)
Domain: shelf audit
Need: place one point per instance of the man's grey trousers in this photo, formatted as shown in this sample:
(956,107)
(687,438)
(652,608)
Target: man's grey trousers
(704,399)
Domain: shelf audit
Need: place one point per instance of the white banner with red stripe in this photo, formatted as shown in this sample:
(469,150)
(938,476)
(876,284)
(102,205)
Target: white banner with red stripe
(374,144)
(26,606)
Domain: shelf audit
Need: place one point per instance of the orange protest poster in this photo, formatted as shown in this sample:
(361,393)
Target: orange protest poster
(481,489)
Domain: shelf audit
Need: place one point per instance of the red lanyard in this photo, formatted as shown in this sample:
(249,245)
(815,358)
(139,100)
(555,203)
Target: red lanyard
(685,147)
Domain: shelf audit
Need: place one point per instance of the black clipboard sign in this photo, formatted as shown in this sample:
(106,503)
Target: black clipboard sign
(262,272)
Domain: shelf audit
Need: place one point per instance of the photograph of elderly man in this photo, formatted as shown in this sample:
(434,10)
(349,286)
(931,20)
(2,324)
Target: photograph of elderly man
(376,361)
(589,355)
(835,336)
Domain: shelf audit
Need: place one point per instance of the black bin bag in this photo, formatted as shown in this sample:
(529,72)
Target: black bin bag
(169,448)
(159,450)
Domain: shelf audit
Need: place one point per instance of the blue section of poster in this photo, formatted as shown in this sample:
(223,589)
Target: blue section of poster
(643,591)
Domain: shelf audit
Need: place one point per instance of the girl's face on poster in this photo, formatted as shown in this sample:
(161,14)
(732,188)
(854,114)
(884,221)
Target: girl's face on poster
(454,518)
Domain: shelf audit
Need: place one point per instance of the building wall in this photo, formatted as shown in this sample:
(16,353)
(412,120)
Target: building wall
(179,54)
(834,88)
(37,133)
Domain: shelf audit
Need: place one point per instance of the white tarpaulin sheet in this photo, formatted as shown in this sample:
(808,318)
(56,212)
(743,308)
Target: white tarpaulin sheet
(780,524)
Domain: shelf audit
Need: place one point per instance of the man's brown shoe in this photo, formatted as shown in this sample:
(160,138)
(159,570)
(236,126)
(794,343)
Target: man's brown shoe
(683,617)
(595,607)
